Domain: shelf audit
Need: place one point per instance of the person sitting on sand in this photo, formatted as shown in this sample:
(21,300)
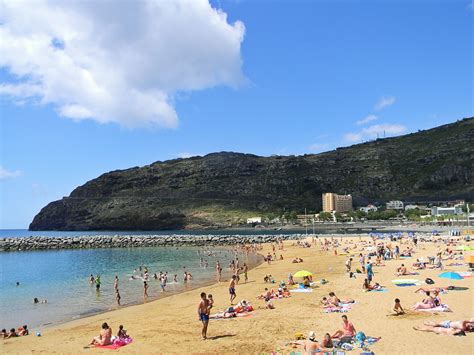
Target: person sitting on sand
(347,331)
(310,345)
(333,300)
(306,282)
(12,334)
(397,308)
(105,336)
(427,303)
(403,271)
(327,341)
(22,331)
(122,333)
(290,280)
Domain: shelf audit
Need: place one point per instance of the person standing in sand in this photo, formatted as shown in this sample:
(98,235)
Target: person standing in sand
(232,293)
(349,265)
(203,314)
(245,270)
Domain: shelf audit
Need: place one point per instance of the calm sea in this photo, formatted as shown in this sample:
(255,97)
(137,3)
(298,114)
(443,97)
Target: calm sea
(62,278)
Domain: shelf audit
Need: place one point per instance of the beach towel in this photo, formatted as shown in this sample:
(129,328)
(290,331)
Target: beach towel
(302,290)
(116,343)
(343,308)
(440,308)
(377,290)
(455,264)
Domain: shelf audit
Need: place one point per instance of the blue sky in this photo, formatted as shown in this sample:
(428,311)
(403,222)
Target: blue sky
(307,76)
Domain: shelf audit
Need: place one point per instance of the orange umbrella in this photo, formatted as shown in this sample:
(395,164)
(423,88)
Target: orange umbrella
(469,258)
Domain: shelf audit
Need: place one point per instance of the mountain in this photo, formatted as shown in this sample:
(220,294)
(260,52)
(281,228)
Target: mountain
(224,188)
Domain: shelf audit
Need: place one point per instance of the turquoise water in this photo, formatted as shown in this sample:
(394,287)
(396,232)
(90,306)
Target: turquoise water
(62,277)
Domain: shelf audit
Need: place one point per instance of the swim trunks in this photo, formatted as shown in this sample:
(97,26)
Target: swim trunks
(204,317)
(446,324)
(232,290)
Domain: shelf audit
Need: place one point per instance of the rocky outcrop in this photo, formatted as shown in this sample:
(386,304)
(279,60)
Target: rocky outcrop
(129,241)
(220,189)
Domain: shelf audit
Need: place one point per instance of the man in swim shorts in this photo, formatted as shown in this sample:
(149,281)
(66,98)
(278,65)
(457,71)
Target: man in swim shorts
(203,313)
(232,293)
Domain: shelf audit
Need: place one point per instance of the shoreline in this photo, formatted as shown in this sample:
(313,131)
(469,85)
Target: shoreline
(162,296)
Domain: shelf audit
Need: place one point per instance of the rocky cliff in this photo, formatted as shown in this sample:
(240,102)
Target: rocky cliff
(224,188)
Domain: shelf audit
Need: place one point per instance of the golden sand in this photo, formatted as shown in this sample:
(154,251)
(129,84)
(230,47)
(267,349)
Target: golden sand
(170,325)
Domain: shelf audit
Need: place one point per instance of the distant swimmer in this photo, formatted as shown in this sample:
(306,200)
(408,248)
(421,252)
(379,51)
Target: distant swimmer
(145,289)
(91,279)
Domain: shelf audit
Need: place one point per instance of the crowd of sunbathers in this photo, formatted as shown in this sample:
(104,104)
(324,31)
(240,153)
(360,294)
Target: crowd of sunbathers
(346,335)
(13,333)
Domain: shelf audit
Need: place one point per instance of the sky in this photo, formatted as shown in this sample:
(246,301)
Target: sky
(90,87)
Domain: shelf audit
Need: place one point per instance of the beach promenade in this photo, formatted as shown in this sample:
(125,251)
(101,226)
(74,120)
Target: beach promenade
(171,325)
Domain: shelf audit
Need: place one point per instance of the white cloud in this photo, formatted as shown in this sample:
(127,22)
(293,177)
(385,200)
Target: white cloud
(366,120)
(318,147)
(374,131)
(7,174)
(384,102)
(120,62)
(185,155)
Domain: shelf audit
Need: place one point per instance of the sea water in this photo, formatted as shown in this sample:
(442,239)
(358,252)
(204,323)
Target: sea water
(62,278)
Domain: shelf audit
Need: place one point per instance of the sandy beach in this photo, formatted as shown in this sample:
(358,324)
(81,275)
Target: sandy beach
(171,325)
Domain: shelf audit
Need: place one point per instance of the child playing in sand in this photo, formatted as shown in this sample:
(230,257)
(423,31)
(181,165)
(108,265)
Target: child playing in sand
(397,308)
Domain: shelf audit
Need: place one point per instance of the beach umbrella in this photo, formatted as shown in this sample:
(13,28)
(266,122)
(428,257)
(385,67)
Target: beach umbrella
(302,273)
(464,247)
(469,259)
(450,275)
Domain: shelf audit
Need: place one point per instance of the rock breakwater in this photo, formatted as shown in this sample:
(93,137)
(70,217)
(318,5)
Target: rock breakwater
(129,241)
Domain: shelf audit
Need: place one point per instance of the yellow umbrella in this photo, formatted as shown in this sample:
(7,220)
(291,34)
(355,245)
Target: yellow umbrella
(302,273)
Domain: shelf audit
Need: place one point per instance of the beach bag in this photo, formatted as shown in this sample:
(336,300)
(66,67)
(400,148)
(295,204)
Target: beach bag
(429,281)
(360,336)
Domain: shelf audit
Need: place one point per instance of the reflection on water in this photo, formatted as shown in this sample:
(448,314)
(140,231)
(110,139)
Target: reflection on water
(62,278)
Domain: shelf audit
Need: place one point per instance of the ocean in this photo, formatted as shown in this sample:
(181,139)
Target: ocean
(62,277)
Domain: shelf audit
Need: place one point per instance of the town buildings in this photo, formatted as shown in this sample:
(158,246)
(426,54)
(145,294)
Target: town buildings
(338,203)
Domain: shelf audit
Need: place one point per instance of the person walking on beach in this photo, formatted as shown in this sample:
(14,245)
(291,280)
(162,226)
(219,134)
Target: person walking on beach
(219,271)
(116,283)
(370,272)
(203,314)
(232,293)
(349,265)
(145,289)
(245,269)
(117,296)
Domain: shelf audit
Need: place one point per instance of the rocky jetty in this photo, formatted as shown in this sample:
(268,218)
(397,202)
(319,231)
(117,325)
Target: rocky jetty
(129,241)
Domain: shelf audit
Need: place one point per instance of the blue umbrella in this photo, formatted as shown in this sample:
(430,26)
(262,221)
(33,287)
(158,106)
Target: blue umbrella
(450,275)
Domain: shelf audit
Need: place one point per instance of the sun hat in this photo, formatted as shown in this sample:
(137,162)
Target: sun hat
(312,335)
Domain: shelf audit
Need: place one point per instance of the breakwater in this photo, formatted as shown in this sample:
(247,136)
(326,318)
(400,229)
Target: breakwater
(129,241)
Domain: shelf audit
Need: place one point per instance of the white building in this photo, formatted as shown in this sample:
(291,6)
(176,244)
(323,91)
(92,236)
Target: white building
(440,211)
(411,207)
(254,220)
(368,208)
(394,205)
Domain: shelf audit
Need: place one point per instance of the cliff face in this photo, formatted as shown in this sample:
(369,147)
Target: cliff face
(432,164)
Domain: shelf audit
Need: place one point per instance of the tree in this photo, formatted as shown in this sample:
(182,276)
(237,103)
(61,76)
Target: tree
(325,216)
